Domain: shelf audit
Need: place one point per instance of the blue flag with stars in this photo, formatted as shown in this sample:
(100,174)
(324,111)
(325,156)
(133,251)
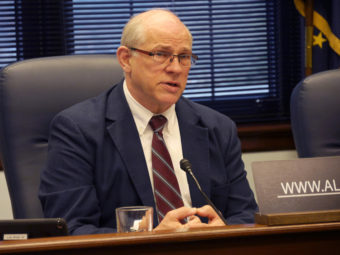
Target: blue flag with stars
(326,37)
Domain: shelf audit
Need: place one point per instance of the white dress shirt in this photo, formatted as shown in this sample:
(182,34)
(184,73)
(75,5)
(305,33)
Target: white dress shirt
(171,135)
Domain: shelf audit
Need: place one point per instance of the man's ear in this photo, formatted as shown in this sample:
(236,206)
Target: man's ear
(123,56)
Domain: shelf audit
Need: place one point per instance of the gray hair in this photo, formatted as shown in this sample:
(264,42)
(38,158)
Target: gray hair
(134,30)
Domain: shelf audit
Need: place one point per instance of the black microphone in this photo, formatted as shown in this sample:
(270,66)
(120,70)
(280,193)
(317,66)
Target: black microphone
(186,166)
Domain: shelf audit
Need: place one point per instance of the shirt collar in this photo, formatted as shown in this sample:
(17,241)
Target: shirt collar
(142,115)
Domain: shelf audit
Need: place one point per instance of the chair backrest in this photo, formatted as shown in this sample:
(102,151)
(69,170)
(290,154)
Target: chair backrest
(315,114)
(31,93)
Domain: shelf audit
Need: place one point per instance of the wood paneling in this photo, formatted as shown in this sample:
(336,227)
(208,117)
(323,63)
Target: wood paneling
(266,137)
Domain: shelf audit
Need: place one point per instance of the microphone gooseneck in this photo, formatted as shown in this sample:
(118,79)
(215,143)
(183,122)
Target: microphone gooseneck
(186,166)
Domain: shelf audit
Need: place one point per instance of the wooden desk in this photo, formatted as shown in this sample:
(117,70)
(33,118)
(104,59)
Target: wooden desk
(242,239)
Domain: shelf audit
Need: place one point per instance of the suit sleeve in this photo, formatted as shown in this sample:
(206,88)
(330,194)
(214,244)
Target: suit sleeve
(66,188)
(241,205)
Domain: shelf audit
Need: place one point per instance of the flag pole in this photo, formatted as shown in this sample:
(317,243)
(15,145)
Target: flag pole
(309,8)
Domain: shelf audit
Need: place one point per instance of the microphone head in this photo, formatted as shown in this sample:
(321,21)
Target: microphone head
(185,165)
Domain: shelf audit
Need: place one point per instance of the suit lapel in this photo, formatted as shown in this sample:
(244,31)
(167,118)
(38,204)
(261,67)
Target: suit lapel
(123,132)
(195,146)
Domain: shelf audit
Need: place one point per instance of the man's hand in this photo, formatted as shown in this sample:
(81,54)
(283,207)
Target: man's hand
(208,212)
(173,219)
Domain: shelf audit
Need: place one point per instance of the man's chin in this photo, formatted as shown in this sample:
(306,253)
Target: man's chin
(169,100)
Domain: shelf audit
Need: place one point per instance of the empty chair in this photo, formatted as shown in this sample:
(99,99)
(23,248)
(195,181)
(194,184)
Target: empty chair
(315,115)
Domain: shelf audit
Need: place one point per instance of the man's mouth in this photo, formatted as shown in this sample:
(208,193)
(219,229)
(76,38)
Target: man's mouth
(172,84)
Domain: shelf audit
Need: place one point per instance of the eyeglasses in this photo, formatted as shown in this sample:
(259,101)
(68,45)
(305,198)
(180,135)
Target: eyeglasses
(161,57)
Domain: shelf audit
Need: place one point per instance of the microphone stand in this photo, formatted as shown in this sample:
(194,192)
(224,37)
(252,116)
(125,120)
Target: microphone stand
(186,166)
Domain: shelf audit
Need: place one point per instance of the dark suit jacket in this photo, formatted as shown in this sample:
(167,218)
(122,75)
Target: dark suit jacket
(96,163)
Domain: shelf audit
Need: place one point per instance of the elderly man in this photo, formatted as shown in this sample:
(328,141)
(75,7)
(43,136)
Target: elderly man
(124,146)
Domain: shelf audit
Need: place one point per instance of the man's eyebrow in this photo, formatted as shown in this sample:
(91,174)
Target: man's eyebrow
(169,48)
(161,47)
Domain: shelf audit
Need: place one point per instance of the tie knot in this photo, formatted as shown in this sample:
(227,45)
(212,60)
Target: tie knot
(157,123)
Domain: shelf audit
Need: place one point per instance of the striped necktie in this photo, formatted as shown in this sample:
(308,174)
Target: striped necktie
(166,189)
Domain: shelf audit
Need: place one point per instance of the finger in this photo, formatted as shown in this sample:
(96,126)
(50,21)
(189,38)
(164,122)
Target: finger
(191,225)
(195,222)
(172,219)
(180,213)
(194,219)
(207,211)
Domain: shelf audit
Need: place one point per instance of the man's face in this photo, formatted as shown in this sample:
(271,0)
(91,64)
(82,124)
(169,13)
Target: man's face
(158,86)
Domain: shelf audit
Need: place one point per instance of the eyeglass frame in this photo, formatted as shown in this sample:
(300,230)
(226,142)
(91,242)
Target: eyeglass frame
(193,57)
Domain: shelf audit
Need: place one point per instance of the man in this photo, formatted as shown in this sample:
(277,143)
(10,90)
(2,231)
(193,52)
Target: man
(101,151)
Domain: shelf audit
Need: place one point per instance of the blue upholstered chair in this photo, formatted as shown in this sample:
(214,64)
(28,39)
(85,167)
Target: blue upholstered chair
(31,93)
(315,114)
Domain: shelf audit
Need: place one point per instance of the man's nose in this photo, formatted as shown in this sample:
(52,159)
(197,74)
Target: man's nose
(175,64)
